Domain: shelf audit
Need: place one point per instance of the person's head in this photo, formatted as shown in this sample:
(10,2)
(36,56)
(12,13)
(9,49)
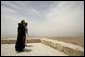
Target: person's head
(23,22)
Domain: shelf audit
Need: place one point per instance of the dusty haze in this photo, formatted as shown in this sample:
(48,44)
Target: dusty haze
(44,18)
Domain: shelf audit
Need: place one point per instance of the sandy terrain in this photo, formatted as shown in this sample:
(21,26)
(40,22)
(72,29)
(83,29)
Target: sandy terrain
(73,40)
(78,40)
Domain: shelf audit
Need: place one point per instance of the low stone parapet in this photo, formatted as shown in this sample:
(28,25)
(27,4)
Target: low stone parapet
(70,49)
(13,41)
(67,48)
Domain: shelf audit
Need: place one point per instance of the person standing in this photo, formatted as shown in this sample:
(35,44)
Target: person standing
(20,43)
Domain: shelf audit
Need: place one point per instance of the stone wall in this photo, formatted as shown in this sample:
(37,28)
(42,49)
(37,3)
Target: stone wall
(70,49)
(67,48)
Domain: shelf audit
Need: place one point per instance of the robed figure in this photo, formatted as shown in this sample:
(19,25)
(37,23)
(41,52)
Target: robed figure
(20,42)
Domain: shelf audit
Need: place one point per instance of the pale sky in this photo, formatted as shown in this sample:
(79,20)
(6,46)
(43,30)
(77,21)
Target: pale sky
(44,18)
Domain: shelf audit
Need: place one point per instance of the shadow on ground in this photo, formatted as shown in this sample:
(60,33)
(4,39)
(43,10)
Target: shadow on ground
(26,50)
(29,45)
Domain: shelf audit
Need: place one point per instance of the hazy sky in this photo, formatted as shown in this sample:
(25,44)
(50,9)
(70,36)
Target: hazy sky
(44,18)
